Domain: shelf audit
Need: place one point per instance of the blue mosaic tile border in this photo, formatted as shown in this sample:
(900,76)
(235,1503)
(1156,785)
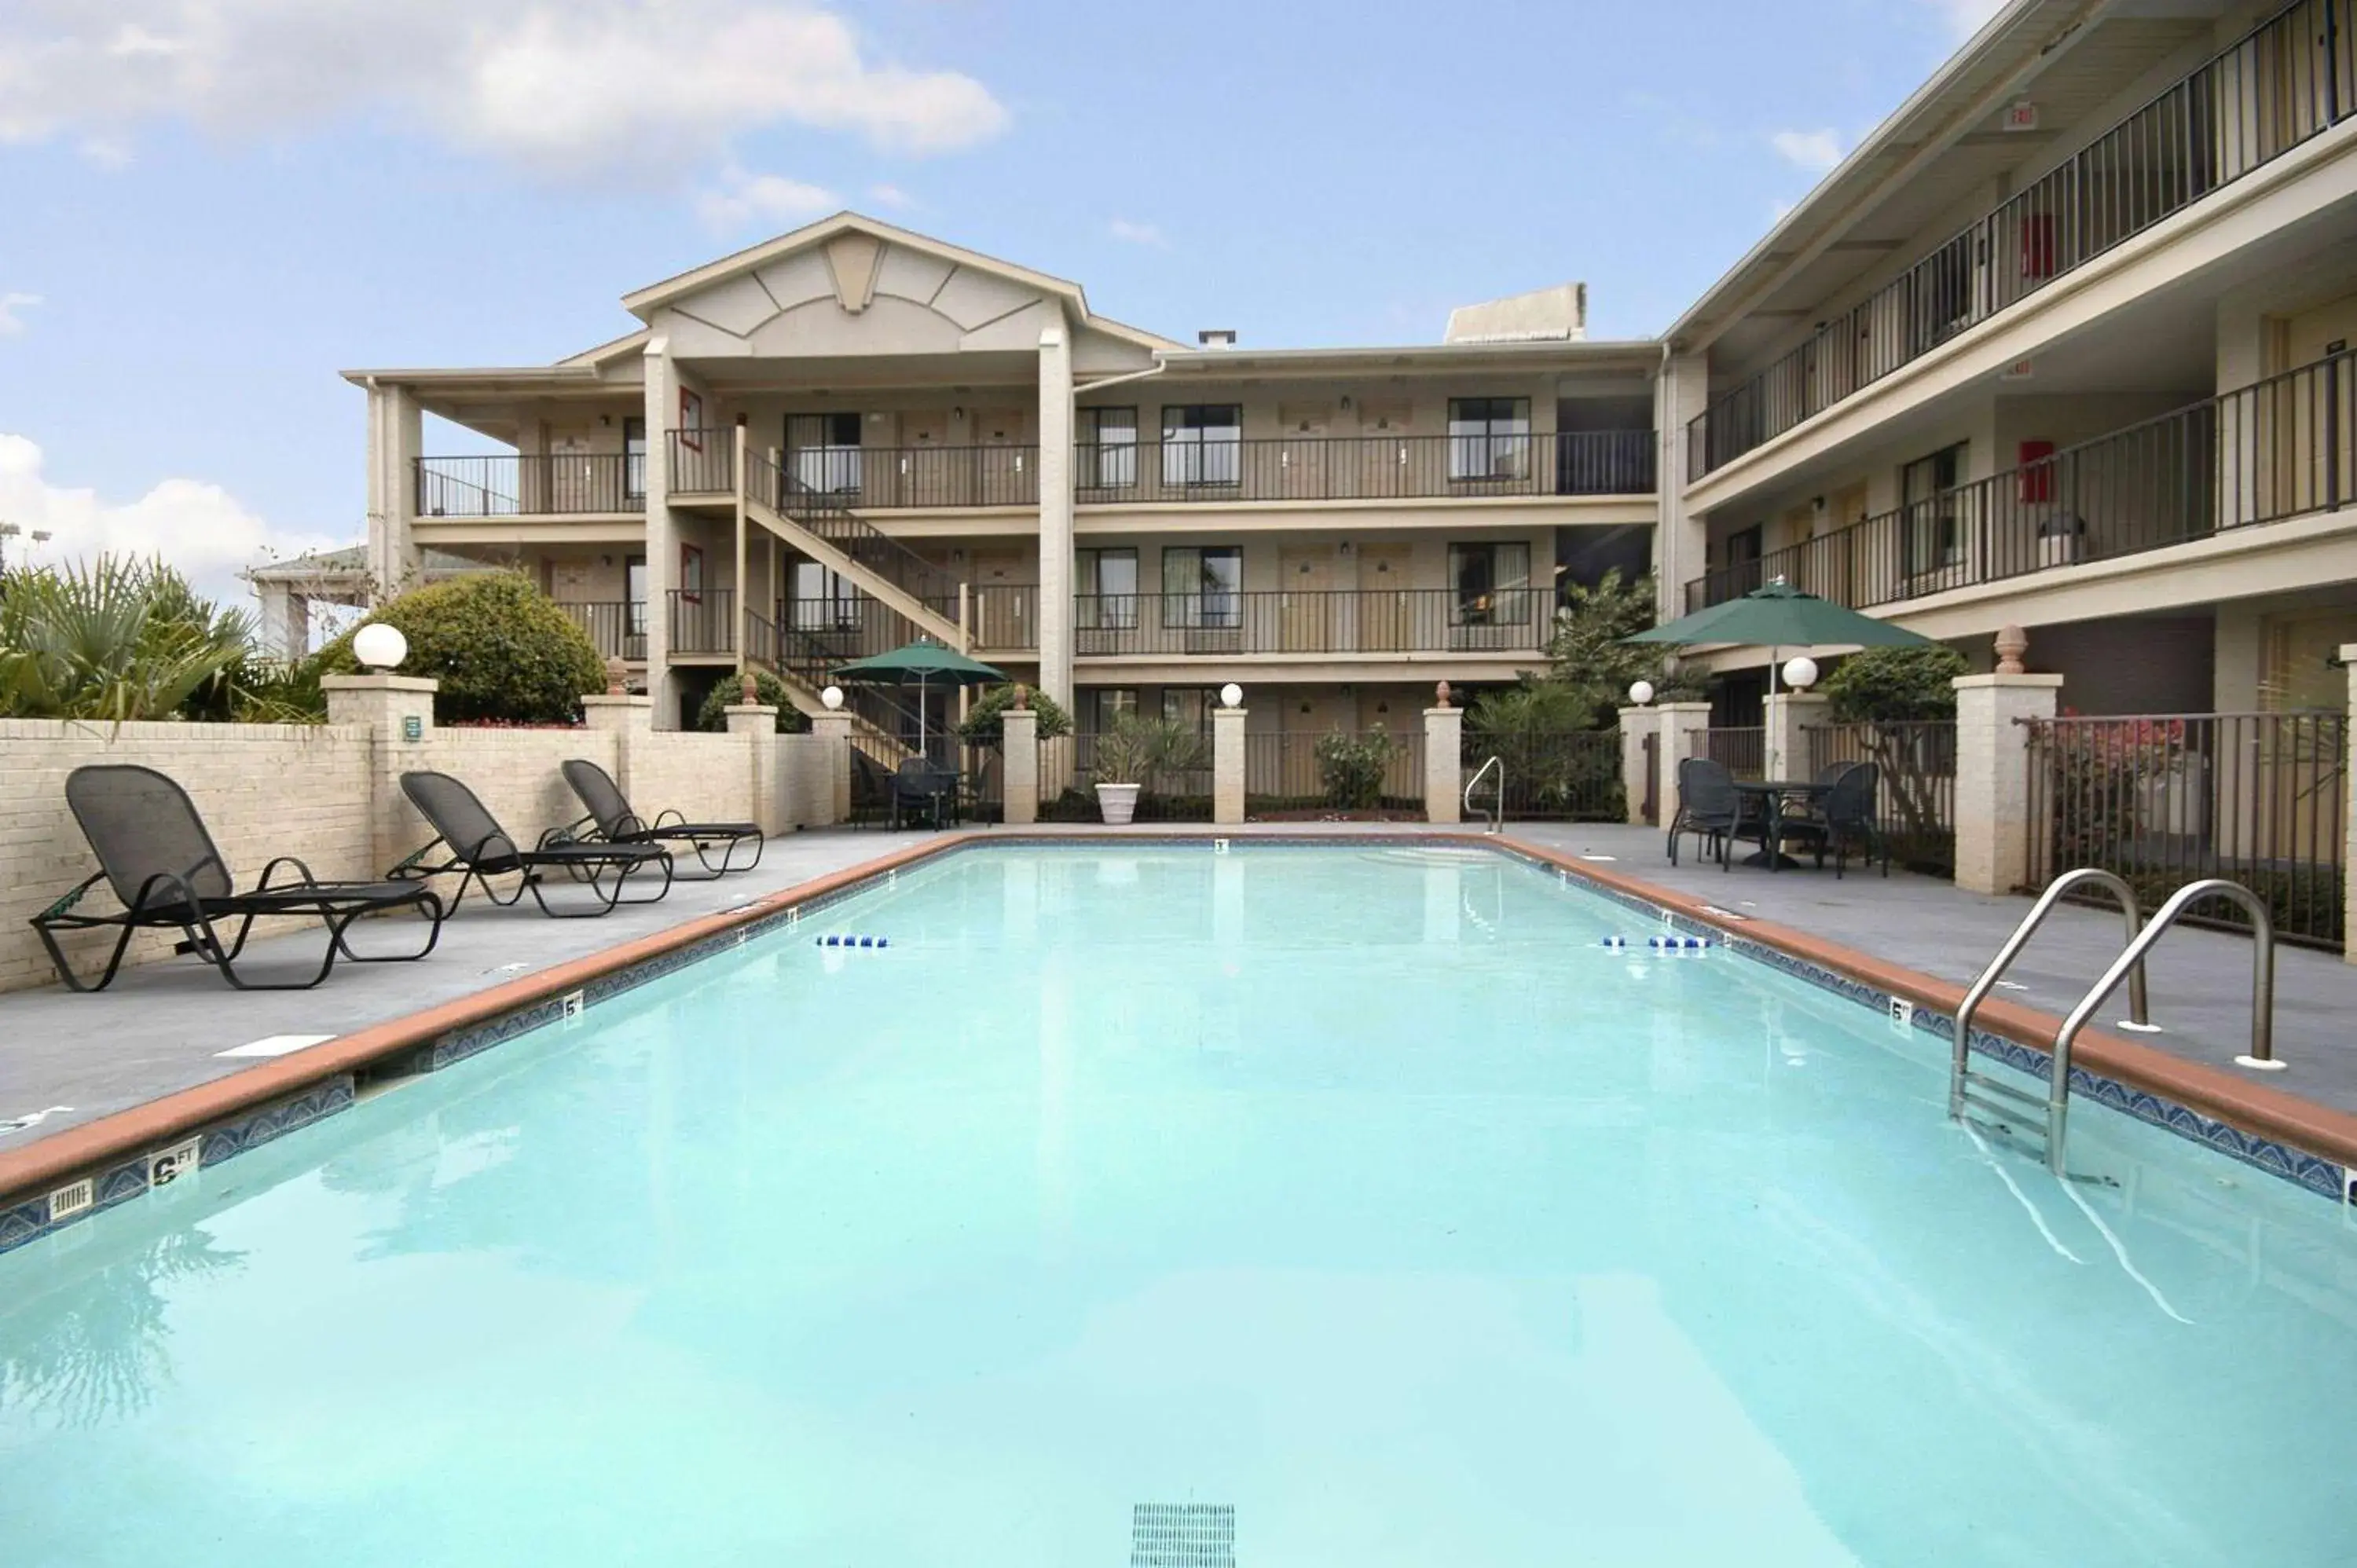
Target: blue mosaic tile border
(29,1220)
(2299,1167)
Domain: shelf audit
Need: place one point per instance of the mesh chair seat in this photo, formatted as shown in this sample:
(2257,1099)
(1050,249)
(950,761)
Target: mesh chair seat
(612,820)
(480,848)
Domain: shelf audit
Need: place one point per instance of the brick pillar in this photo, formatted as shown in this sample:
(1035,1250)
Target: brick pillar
(629,719)
(832,800)
(1637,726)
(1444,764)
(1228,764)
(755,723)
(1019,754)
(1789,714)
(1679,722)
(398,713)
(1993,776)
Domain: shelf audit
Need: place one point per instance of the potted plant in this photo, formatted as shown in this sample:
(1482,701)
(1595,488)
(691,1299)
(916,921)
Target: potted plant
(1130,754)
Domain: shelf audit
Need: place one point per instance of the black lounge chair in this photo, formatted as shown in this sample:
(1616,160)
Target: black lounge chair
(480,849)
(611,821)
(154,852)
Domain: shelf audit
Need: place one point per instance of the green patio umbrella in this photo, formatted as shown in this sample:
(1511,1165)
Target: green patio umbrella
(1777,617)
(919,664)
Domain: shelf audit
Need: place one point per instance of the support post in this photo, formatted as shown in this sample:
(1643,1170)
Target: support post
(2349,806)
(1789,715)
(757,725)
(398,713)
(1444,764)
(833,796)
(1228,764)
(1993,776)
(1679,722)
(629,719)
(744,634)
(1019,761)
(1638,726)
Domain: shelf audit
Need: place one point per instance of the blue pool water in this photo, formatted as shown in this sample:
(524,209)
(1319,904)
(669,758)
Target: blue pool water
(1361,1191)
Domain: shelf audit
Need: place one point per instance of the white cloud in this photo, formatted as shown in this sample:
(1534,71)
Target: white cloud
(642,89)
(1130,233)
(890,196)
(742,199)
(1966,17)
(200,528)
(11,305)
(1815,151)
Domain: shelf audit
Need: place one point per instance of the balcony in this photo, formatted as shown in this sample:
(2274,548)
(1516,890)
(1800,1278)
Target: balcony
(618,627)
(513,485)
(2276,449)
(2287,80)
(1313,622)
(1364,467)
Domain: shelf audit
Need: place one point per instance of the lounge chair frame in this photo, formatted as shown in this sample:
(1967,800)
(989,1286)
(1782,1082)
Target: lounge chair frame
(612,820)
(478,849)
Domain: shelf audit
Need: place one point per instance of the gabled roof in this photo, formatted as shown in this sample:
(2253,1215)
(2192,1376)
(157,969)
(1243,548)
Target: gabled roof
(642,303)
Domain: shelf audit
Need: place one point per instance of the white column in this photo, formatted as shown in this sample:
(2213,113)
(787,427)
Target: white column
(1790,714)
(1444,764)
(395,437)
(1637,726)
(1055,609)
(398,713)
(1680,542)
(1993,776)
(1019,758)
(2349,817)
(662,536)
(1680,723)
(833,801)
(1228,764)
(755,723)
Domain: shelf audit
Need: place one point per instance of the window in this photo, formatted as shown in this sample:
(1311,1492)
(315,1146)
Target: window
(634,593)
(1101,705)
(691,574)
(1928,535)
(822,450)
(1489,437)
(1106,583)
(818,600)
(1202,443)
(1108,449)
(1743,559)
(1492,583)
(1202,586)
(1190,706)
(634,459)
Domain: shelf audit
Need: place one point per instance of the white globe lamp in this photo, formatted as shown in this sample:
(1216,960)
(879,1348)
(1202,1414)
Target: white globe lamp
(1640,693)
(1231,696)
(831,697)
(380,647)
(1801,672)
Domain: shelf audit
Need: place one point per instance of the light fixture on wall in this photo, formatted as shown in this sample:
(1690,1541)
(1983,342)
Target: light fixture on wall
(958,413)
(607,420)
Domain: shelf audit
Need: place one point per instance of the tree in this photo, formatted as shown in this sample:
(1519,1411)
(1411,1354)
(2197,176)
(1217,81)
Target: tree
(1903,707)
(502,649)
(713,713)
(118,639)
(1586,653)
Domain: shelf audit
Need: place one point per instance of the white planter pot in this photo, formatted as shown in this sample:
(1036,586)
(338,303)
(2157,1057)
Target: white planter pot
(1118,802)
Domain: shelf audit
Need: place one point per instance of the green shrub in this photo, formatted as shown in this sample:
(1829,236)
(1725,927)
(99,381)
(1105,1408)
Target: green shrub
(502,649)
(1586,653)
(983,726)
(713,714)
(1136,749)
(1351,768)
(1896,685)
(117,639)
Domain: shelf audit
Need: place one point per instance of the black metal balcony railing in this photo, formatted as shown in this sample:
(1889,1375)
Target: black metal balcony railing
(1364,467)
(2279,448)
(702,461)
(2289,78)
(884,478)
(703,621)
(618,627)
(827,514)
(514,485)
(1387,621)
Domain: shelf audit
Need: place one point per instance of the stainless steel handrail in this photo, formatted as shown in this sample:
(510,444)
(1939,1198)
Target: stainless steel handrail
(1498,804)
(2262,994)
(1959,1069)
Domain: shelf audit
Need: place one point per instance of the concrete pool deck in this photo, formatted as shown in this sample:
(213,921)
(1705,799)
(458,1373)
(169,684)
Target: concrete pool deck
(67,1060)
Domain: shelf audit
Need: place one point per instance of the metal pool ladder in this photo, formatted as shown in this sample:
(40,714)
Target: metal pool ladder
(1967,1087)
(1497,802)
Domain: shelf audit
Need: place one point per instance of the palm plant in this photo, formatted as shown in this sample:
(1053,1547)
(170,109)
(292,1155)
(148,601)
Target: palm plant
(114,639)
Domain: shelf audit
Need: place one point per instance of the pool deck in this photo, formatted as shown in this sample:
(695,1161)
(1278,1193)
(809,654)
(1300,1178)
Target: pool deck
(70,1059)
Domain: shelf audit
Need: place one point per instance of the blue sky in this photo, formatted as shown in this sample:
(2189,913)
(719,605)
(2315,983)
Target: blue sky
(213,206)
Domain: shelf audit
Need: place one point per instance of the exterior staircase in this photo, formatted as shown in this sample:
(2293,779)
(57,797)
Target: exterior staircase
(823,527)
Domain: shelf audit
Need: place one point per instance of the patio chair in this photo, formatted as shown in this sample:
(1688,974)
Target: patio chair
(1709,807)
(154,853)
(611,821)
(1846,816)
(480,849)
(871,789)
(922,784)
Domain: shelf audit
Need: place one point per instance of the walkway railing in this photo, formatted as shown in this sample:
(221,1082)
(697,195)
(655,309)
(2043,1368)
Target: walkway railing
(702,461)
(1915,783)
(1364,467)
(1313,621)
(1743,750)
(2277,448)
(2286,81)
(884,478)
(513,485)
(618,627)
(2261,798)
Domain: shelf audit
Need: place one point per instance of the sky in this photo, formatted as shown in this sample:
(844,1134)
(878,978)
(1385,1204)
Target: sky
(210,207)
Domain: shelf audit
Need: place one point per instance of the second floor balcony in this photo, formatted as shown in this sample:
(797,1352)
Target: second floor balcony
(515,484)
(1313,622)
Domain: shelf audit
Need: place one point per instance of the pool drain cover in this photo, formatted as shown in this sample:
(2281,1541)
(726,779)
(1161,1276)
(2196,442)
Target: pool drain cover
(1182,1535)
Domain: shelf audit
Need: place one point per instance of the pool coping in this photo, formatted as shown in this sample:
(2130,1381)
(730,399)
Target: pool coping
(133,1150)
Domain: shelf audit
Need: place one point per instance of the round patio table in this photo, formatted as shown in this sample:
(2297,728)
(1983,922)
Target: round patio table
(1773,795)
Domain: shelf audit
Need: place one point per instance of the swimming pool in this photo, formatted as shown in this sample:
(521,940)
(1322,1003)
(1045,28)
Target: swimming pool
(1359,1191)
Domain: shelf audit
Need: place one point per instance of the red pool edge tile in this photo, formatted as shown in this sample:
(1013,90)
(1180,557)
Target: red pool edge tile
(28,1172)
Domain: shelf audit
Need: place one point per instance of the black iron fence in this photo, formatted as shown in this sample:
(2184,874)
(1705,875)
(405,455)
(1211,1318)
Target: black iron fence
(1553,774)
(2287,79)
(884,478)
(703,462)
(1287,620)
(1915,783)
(1743,750)
(1365,468)
(1180,793)
(703,621)
(1337,772)
(2277,449)
(2163,800)
(617,627)
(514,485)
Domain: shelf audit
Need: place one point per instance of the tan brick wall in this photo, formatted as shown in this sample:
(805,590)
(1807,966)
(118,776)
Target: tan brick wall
(705,778)
(262,789)
(514,772)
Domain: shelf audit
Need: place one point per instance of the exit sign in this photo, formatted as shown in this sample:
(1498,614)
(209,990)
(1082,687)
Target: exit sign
(2021,115)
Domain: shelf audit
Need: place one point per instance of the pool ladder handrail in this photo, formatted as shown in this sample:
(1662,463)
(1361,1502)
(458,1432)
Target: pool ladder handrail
(1497,802)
